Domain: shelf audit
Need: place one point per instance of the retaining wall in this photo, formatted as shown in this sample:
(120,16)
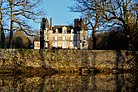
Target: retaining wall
(65,59)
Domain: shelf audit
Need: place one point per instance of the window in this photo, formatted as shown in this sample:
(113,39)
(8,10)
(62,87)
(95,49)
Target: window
(46,38)
(71,44)
(72,31)
(46,30)
(56,44)
(64,45)
(64,38)
(64,30)
(71,38)
(56,30)
(56,37)
(83,37)
(46,44)
(83,44)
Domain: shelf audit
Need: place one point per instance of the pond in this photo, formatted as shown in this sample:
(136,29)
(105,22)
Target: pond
(126,82)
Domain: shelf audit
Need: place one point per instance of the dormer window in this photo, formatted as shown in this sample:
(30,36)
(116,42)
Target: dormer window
(72,31)
(64,30)
(56,30)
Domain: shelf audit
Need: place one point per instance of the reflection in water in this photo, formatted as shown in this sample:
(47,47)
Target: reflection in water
(70,83)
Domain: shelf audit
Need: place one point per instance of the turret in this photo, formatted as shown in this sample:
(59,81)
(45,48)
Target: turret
(43,24)
(78,22)
(43,27)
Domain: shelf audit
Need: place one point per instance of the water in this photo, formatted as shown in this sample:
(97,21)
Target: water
(126,82)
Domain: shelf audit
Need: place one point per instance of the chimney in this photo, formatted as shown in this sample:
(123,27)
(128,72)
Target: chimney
(76,22)
(47,23)
(81,21)
(43,23)
(50,27)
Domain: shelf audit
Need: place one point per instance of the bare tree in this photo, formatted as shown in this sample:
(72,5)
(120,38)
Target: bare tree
(120,12)
(19,13)
(11,22)
(135,8)
(1,25)
(111,12)
(90,10)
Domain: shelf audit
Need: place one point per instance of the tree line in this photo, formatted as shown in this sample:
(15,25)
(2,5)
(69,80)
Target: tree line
(16,15)
(109,14)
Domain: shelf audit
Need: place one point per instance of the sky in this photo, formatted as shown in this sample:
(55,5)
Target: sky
(57,9)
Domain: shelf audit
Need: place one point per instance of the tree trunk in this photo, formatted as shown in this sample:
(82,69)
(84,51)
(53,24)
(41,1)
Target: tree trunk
(2,37)
(94,38)
(11,36)
(127,29)
(11,26)
(137,20)
(1,29)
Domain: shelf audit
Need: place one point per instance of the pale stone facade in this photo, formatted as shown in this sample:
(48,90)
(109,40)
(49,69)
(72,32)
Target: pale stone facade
(37,44)
(66,37)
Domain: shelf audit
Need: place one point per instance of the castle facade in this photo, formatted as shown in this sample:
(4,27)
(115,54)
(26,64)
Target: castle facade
(63,36)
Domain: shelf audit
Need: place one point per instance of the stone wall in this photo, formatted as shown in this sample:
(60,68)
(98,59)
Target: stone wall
(64,59)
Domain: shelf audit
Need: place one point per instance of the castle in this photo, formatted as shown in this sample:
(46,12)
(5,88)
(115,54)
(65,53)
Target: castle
(62,36)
